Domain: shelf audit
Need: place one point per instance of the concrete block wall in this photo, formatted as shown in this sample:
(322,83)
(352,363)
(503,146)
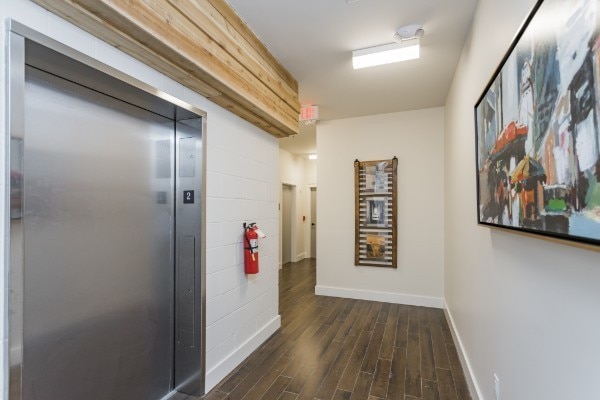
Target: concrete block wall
(242,184)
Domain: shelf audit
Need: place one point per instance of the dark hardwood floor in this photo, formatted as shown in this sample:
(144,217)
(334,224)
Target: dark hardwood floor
(344,349)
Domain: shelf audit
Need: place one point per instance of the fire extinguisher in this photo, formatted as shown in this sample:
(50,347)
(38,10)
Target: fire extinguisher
(251,248)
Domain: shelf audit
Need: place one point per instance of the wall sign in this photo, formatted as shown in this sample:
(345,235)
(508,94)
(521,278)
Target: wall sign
(188,197)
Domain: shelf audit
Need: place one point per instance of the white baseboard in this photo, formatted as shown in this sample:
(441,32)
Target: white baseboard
(464,360)
(388,297)
(215,375)
(300,257)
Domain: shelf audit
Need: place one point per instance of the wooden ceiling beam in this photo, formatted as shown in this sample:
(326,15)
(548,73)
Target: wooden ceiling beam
(204,17)
(244,35)
(206,48)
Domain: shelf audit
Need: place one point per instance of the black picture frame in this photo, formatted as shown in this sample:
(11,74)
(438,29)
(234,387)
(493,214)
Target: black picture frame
(537,128)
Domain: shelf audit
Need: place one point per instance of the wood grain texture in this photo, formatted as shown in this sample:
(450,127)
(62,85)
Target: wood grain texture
(235,25)
(397,375)
(341,349)
(427,361)
(206,18)
(381,379)
(203,45)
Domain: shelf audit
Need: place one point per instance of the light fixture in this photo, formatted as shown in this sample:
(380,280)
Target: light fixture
(406,47)
(312,156)
(385,54)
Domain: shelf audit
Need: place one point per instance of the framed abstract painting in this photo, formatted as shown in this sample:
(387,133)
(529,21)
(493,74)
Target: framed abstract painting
(538,127)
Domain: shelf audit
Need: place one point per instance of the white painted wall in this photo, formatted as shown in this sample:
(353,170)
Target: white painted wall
(301,173)
(523,307)
(417,139)
(242,184)
(310,172)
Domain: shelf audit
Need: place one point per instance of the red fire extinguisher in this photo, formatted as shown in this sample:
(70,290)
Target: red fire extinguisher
(251,248)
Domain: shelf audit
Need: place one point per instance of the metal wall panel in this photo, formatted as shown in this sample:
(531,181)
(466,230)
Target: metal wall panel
(98,292)
(188,314)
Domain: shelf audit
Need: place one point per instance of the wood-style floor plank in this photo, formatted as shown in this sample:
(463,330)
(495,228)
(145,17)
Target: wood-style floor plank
(397,374)
(446,328)
(213,395)
(340,349)
(342,395)
(370,361)
(412,384)
(430,390)
(381,380)
(320,372)
(446,385)
(427,361)
(402,327)
(363,385)
(276,389)
(373,315)
(353,368)
(267,380)
(389,337)
(462,390)
(328,387)
(288,396)
(440,353)
(351,319)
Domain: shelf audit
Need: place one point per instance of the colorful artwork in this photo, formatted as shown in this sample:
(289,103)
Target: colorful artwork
(538,127)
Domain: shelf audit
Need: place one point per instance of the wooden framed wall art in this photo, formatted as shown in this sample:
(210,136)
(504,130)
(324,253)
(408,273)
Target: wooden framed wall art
(375,213)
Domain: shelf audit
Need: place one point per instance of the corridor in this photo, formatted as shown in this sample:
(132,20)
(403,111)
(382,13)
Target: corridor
(334,348)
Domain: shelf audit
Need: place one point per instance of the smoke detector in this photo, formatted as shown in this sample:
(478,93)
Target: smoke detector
(408,32)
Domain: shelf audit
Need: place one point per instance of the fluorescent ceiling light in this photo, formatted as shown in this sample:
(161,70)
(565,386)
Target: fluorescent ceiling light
(312,156)
(386,54)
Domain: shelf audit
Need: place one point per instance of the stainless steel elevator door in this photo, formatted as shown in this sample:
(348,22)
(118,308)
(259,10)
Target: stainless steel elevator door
(98,247)
(188,280)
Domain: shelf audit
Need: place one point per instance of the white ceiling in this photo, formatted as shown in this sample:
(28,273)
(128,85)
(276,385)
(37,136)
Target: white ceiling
(314,40)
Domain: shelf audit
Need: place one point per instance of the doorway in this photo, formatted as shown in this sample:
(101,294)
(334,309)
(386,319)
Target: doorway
(287,199)
(313,222)
(106,197)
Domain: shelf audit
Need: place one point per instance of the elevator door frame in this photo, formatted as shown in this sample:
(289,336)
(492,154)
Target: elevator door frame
(17,35)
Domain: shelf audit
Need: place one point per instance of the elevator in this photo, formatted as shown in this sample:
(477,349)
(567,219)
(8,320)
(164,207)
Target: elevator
(106,205)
